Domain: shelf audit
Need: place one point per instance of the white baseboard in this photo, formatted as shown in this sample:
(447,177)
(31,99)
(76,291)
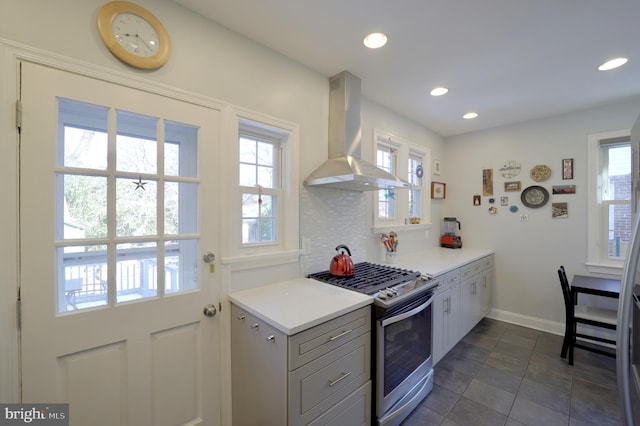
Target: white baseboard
(552,327)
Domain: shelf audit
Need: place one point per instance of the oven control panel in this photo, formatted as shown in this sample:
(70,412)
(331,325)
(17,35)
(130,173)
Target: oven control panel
(391,295)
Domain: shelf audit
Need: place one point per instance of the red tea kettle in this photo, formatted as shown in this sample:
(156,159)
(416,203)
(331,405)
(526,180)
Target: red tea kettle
(341,264)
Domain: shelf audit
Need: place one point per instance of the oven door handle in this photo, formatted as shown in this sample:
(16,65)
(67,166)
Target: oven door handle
(404,315)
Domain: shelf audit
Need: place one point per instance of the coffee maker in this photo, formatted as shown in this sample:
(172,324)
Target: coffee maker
(450,239)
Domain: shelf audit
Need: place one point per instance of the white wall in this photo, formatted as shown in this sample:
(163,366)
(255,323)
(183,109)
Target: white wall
(528,254)
(210,60)
(215,63)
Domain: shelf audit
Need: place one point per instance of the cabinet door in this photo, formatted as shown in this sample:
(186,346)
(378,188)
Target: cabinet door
(486,292)
(454,318)
(440,324)
(469,304)
(258,371)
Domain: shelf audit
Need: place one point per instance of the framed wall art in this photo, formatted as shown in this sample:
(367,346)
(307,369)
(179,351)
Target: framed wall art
(567,168)
(512,186)
(438,190)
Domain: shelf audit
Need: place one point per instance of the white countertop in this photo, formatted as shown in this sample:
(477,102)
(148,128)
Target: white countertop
(438,261)
(296,305)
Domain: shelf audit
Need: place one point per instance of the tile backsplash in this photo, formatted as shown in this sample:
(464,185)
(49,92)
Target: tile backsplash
(330,217)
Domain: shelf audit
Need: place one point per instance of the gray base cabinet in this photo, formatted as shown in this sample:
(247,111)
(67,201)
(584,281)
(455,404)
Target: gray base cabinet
(462,300)
(320,376)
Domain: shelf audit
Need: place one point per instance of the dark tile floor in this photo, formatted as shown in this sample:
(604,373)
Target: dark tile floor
(503,374)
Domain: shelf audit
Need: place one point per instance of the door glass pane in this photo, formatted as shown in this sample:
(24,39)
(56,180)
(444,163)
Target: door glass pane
(84,209)
(82,135)
(145,265)
(136,207)
(136,146)
(181,265)
(181,208)
(180,150)
(136,271)
(82,277)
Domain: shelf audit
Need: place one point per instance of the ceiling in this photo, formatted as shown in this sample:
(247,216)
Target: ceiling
(508,60)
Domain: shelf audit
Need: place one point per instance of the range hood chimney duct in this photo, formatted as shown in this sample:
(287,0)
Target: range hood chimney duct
(345,169)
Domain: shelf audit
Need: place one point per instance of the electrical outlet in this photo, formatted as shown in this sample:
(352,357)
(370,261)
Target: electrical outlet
(524,218)
(306,246)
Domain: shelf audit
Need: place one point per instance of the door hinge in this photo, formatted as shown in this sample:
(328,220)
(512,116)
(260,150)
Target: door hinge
(19,313)
(19,114)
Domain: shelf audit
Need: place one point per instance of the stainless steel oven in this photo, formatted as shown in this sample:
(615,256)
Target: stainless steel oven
(402,360)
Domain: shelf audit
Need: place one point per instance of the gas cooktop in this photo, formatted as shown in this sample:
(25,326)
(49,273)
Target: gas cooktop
(369,278)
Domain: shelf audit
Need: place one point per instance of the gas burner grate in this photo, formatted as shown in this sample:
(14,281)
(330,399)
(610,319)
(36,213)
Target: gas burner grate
(368,277)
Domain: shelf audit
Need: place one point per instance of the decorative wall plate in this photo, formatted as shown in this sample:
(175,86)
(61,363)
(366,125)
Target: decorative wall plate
(540,173)
(510,169)
(534,196)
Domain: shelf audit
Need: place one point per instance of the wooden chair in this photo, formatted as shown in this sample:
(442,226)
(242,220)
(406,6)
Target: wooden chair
(580,314)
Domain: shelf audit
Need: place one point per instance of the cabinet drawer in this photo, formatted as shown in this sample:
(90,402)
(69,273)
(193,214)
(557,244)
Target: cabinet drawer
(449,279)
(354,410)
(476,266)
(317,341)
(321,384)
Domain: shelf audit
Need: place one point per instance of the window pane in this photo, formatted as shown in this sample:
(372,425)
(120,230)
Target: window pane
(247,175)
(620,221)
(85,207)
(619,173)
(83,280)
(415,203)
(259,219)
(181,208)
(181,266)
(265,177)
(83,141)
(248,150)
(265,154)
(250,205)
(136,144)
(180,150)
(136,271)
(136,213)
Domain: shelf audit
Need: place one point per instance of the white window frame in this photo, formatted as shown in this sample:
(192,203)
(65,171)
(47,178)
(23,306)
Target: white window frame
(403,149)
(598,210)
(286,249)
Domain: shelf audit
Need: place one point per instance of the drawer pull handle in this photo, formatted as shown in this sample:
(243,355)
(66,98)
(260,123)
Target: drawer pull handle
(344,333)
(241,317)
(271,339)
(256,325)
(342,377)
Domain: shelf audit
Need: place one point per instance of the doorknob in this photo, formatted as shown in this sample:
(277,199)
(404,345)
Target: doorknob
(209,310)
(208,257)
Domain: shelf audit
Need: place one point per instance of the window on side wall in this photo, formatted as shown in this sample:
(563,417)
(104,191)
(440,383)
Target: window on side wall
(401,206)
(610,209)
(262,192)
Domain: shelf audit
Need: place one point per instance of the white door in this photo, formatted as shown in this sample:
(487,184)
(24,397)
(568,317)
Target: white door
(118,192)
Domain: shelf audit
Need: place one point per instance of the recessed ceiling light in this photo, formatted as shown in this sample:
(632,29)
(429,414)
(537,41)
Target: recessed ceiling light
(613,63)
(375,40)
(470,115)
(439,91)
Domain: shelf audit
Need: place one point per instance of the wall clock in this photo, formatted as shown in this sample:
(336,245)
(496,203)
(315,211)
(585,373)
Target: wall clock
(134,35)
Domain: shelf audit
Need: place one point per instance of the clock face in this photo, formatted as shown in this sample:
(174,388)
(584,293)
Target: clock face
(135,34)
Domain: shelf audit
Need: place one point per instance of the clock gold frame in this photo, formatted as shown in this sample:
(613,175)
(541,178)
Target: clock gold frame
(105,20)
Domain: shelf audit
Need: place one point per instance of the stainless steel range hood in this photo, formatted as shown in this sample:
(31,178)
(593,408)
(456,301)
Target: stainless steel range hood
(344,169)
